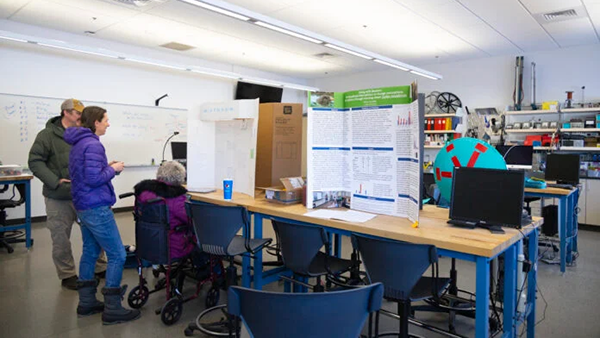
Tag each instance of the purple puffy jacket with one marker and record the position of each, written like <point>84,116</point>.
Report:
<point>89,170</point>
<point>182,242</point>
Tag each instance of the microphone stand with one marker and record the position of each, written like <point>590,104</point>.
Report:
<point>165,146</point>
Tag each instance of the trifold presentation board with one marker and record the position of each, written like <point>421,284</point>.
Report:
<point>365,146</point>
<point>222,145</point>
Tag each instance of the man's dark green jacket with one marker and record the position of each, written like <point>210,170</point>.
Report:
<point>49,160</point>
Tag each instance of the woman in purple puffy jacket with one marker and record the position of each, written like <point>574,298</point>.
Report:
<point>93,197</point>
<point>168,185</point>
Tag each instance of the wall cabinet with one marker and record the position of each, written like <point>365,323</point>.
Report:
<point>592,205</point>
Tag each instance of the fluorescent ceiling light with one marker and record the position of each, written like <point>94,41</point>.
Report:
<point>215,73</point>
<point>391,65</point>
<point>348,51</point>
<point>424,75</point>
<point>263,82</point>
<point>217,9</point>
<point>288,32</point>
<point>300,87</point>
<point>156,64</point>
<point>76,50</point>
<point>12,39</point>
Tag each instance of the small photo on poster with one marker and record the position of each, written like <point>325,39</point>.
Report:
<point>331,199</point>
<point>322,99</point>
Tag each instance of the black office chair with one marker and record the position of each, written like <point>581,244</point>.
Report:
<point>10,237</point>
<point>216,229</point>
<point>528,200</point>
<point>400,267</point>
<point>301,253</point>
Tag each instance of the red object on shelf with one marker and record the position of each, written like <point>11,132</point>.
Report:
<point>530,139</point>
<point>547,140</point>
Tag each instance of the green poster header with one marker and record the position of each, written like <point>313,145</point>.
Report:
<point>377,97</point>
<point>361,98</point>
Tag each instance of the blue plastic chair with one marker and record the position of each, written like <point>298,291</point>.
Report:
<point>216,229</point>
<point>400,267</point>
<point>301,253</point>
<point>339,314</point>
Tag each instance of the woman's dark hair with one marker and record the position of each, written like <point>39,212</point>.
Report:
<point>90,115</point>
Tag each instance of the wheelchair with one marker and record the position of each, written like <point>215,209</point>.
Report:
<point>152,238</point>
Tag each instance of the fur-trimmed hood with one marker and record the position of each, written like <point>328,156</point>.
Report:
<point>161,189</point>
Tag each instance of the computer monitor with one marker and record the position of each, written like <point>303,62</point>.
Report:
<point>491,197</point>
<point>517,157</point>
<point>179,150</point>
<point>563,168</point>
<point>265,94</point>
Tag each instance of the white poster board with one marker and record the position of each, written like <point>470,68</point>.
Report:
<point>222,145</point>
<point>369,153</point>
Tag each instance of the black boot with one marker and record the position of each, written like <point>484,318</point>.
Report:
<point>88,304</point>
<point>114,313</point>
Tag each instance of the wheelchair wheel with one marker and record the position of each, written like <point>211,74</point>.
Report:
<point>171,311</point>
<point>212,297</point>
<point>138,297</point>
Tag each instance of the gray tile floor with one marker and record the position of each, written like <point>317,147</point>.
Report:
<point>32,303</point>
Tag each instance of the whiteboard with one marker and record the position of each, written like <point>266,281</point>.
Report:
<point>136,134</point>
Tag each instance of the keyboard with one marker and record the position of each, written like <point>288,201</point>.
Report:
<point>560,186</point>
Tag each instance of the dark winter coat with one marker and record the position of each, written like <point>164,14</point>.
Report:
<point>180,242</point>
<point>89,169</point>
<point>49,160</point>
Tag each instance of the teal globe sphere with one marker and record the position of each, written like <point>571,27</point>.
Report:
<point>463,152</point>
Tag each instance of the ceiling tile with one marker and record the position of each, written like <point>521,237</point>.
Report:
<point>573,32</point>
<point>512,21</point>
<point>61,17</point>
<point>594,13</point>
<point>9,7</point>
<point>184,13</point>
<point>106,8</point>
<point>265,6</point>
<point>151,31</point>
<point>545,6</point>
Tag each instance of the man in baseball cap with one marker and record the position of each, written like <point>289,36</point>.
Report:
<point>49,161</point>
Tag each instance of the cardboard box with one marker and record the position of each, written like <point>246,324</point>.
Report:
<point>279,143</point>
<point>289,193</point>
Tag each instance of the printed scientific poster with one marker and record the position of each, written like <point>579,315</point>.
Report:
<point>365,148</point>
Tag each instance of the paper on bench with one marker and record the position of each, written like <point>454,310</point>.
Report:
<point>348,216</point>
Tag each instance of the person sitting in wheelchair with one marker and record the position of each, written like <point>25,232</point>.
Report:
<point>168,185</point>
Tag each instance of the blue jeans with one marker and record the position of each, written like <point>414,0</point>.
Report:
<point>99,231</point>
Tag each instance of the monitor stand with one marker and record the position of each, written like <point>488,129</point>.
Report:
<point>495,229</point>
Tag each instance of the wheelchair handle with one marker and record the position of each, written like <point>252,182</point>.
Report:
<point>125,195</point>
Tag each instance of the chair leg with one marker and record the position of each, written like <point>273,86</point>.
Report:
<point>231,273</point>
<point>319,287</point>
<point>404,313</point>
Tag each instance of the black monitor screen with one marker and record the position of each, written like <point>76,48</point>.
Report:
<point>516,155</point>
<point>488,195</point>
<point>563,168</point>
<point>266,94</point>
<point>179,150</point>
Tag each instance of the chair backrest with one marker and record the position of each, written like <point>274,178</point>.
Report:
<point>152,230</point>
<point>299,244</point>
<point>216,225</point>
<point>324,314</point>
<point>11,203</point>
<point>398,265</point>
